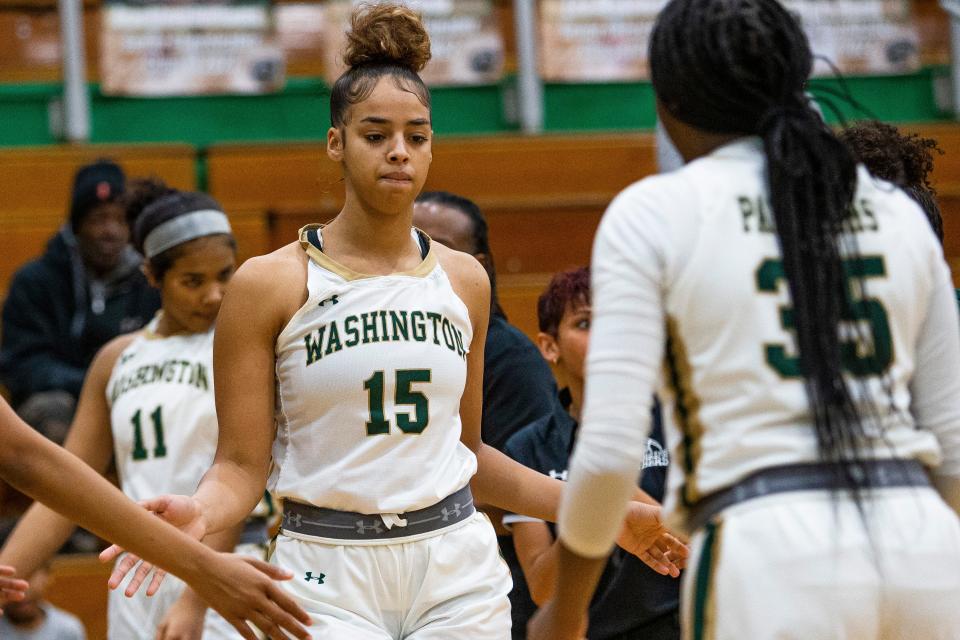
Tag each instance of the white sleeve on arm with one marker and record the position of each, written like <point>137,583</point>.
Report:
<point>623,365</point>
<point>935,388</point>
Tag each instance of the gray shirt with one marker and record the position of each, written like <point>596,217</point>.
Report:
<point>58,625</point>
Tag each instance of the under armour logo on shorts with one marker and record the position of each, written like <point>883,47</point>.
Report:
<point>362,527</point>
<point>455,512</point>
<point>318,578</point>
<point>292,519</point>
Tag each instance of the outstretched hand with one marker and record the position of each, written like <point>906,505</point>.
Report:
<point>243,589</point>
<point>11,589</point>
<point>645,536</point>
<point>182,512</point>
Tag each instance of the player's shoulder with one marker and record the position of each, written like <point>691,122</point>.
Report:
<point>460,264</point>
<point>288,260</point>
<point>660,197</point>
<point>109,354</point>
<point>467,276</point>
<point>893,207</point>
<point>258,276</point>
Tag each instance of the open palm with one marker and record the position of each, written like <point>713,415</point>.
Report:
<point>182,512</point>
<point>645,536</point>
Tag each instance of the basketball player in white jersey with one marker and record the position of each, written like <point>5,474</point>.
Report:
<point>356,356</point>
<point>148,400</point>
<point>809,327</point>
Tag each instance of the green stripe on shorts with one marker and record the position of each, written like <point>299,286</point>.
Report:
<point>701,588</point>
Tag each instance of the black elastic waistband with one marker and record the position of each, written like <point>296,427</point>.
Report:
<point>306,519</point>
<point>878,474</point>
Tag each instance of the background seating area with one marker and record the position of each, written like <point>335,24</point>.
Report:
<point>543,196</point>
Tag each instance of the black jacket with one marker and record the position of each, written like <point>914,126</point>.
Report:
<point>56,317</point>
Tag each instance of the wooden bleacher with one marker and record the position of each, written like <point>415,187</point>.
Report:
<point>36,184</point>
<point>79,585</point>
<point>946,179</point>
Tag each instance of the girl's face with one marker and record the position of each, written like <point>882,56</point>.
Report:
<point>568,349</point>
<point>385,148</point>
<point>193,287</point>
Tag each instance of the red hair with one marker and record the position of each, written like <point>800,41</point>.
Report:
<point>567,290</point>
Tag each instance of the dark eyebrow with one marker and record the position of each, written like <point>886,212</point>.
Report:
<point>417,122</point>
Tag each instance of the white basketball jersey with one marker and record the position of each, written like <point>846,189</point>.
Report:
<point>733,387</point>
<point>162,413</point>
<point>369,376</point>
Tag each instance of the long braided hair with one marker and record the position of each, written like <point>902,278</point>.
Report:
<point>741,67</point>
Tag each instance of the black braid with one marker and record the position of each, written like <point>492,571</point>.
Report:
<point>740,67</point>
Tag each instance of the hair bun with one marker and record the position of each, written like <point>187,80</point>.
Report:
<point>387,33</point>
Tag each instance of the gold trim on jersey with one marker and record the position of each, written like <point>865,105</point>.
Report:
<point>420,271</point>
<point>686,409</point>
<point>149,331</point>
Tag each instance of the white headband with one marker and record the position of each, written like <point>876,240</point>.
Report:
<point>183,229</point>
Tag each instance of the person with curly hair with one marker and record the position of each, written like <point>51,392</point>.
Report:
<point>905,159</point>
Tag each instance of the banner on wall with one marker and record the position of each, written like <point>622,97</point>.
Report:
<point>158,48</point>
<point>595,40</point>
<point>862,37</point>
<point>607,40</point>
<point>465,40</point>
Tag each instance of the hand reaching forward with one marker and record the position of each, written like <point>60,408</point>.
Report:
<point>243,589</point>
<point>11,589</point>
<point>182,512</point>
<point>645,536</point>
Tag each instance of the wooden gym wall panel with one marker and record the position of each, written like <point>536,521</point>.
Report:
<point>536,172</point>
<point>79,585</point>
<point>946,180</point>
<point>36,185</point>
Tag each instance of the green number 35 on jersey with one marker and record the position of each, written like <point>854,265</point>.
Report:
<point>859,359</point>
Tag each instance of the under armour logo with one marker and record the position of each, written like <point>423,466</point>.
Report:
<point>292,519</point>
<point>455,512</point>
<point>332,300</point>
<point>318,578</point>
<point>363,528</point>
<point>558,475</point>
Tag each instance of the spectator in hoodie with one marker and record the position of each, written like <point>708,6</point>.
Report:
<point>86,289</point>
